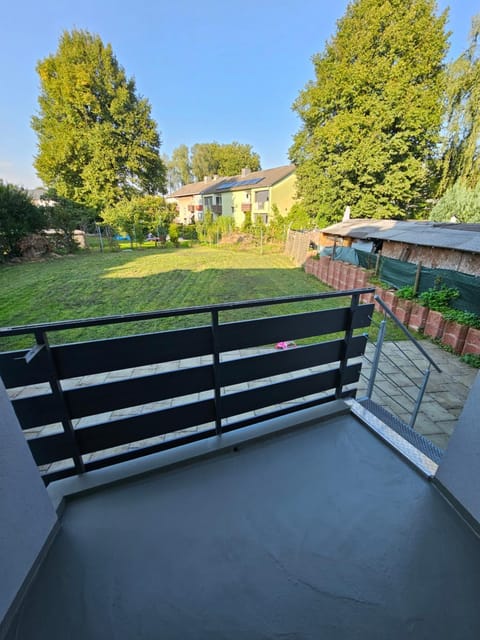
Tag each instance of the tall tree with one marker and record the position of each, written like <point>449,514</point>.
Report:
<point>371,118</point>
<point>210,158</point>
<point>461,157</point>
<point>97,141</point>
<point>179,170</point>
<point>459,203</point>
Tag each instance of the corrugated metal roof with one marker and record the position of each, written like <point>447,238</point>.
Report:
<point>424,233</point>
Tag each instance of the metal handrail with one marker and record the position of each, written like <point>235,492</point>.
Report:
<point>61,325</point>
<point>406,332</point>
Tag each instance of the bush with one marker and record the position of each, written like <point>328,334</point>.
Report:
<point>19,217</point>
<point>462,317</point>
<point>188,232</point>
<point>472,359</point>
<point>173,233</point>
<point>406,293</point>
<point>439,299</point>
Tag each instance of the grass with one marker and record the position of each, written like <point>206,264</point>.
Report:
<point>114,283</point>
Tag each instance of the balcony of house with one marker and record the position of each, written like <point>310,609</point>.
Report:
<point>220,480</point>
<point>261,207</point>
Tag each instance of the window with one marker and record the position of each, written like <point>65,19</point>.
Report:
<point>261,198</point>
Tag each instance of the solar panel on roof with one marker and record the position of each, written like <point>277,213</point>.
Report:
<point>238,183</point>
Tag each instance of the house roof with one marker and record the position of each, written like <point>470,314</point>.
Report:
<point>251,180</point>
<point>194,188</point>
<point>465,237</point>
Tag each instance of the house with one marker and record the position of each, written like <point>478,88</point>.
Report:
<point>436,245</point>
<point>252,192</point>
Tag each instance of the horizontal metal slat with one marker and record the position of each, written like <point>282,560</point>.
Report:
<point>51,448</point>
<point>147,425</point>
<point>37,411</point>
<point>16,372</point>
<point>111,396</point>
<point>270,364</point>
<point>251,333</point>
<point>130,454</point>
<point>268,395</point>
<point>99,356</point>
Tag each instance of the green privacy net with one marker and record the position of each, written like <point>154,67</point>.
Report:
<point>398,274</point>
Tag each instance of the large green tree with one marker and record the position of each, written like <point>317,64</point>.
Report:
<point>179,170</point>
<point>140,215</point>
<point>97,141</point>
<point>461,156</point>
<point>459,203</point>
<point>210,158</point>
<point>371,118</point>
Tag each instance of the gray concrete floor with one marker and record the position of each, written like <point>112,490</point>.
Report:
<point>321,532</point>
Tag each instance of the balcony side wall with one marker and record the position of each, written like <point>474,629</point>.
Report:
<point>26,513</point>
<point>459,471</point>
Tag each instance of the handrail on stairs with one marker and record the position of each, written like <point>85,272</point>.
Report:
<point>378,350</point>
<point>401,326</point>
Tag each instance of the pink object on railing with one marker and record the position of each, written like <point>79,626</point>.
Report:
<point>285,344</point>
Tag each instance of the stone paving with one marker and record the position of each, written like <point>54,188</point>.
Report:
<point>445,394</point>
<point>400,373</point>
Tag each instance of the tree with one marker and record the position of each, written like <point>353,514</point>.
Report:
<point>212,158</point>
<point>179,170</point>
<point>371,118</point>
<point>461,154</point>
<point>97,141</point>
<point>140,215</point>
<point>459,202</point>
<point>18,218</point>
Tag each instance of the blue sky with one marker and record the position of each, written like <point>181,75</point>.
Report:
<point>212,70</point>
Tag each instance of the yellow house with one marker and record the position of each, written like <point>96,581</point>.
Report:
<point>251,191</point>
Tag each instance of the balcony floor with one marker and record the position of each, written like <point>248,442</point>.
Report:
<point>322,532</point>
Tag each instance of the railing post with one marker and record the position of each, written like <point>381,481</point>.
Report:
<point>355,301</point>
<point>376,358</point>
<point>216,372</point>
<point>57,391</point>
<point>421,393</point>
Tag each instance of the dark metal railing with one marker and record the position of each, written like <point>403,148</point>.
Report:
<point>105,401</point>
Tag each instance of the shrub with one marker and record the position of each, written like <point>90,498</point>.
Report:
<point>19,217</point>
<point>462,317</point>
<point>406,293</point>
<point>472,359</point>
<point>439,299</point>
<point>173,233</point>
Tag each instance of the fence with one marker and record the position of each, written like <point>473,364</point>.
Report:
<point>398,273</point>
<point>88,405</point>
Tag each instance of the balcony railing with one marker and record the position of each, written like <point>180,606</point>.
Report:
<point>87,405</point>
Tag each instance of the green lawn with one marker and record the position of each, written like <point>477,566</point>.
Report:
<point>96,284</point>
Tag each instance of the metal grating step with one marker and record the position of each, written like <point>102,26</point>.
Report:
<point>410,435</point>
